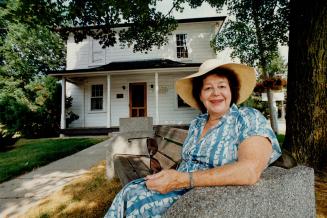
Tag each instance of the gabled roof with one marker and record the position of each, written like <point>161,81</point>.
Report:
<point>129,65</point>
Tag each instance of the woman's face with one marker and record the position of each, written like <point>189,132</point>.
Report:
<point>216,95</point>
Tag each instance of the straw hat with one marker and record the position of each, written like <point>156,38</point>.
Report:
<point>245,74</point>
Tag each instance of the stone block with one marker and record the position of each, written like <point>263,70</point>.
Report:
<point>279,193</point>
<point>132,124</point>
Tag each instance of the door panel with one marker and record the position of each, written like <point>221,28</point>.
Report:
<point>137,100</point>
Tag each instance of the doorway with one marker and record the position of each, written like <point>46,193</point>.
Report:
<point>137,100</point>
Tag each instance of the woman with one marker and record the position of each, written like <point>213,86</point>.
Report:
<point>226,145</point>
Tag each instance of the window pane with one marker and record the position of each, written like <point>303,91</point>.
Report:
<point>96,103</point>
<point>181,46</point>
<point>181,103</point>
<point>97,91</point>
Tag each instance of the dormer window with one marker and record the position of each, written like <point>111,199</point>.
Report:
<point>181,46</point>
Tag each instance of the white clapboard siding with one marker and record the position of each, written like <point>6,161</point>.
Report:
<point>95,118</point>
<point>81,93</point>
<point>168,111</point>
<point>77,56</point>
<point>120,106</point>
<point>199,35</point>
<point>77,92</point>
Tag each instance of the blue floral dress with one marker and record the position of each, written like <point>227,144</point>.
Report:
<point>219,146</point>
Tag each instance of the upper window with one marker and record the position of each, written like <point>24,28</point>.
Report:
<point>181,46</point>
<point>97,97</point>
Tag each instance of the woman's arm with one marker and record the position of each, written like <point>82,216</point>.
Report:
<point>253,156</point>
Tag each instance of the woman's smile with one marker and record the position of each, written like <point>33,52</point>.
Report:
<point>216,95</point>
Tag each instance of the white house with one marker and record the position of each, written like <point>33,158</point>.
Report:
<point>112,83</point>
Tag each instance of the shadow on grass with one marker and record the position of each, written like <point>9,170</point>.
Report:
<point>88,196</point>
<point>91,195</point>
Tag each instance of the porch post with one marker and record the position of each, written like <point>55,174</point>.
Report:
<point>108,101</point>
<point>156,78</point>
<point>63,112</point>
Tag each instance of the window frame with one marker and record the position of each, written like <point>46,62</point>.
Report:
<point>182,46</point>
<point>96,97</point>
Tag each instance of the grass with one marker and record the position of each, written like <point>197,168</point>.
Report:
<point>91,195</point>
<point>28,154</point>
<point>280,138</point>
<point>87,196</point>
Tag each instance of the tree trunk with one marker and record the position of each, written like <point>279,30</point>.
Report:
<point>306,111</point>
<point>272,111</point>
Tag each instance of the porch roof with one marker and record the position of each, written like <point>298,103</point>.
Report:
<point>128,65</point>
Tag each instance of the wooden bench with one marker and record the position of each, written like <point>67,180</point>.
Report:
<point>279,193</point>
<point>169,140</point>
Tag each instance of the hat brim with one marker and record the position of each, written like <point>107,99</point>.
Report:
<point>245,74</point>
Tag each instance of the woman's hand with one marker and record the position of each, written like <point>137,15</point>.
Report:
<point>167,181</point>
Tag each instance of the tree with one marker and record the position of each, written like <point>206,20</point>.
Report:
<point>259,26</point>
<point>27,102</point>
<point>149,26</point>
<point>30,52</point>
<point>306,110</point>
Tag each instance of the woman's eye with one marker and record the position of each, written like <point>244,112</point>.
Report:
<point>207,88</point>
<point>222,87</point>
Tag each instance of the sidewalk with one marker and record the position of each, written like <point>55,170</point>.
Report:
<point>23,192</point>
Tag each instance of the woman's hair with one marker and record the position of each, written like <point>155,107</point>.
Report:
<point>228,74</point>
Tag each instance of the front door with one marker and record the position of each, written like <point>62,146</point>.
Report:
<point>137,100</point>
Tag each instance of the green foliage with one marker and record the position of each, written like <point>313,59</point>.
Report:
<point>32,153</point>
<point>30,52</point>
<point>254,33</point>
<point>70,115</point>
<point>34,110</point>
<point>276,66</point>
<point>150,27</point>
<point>29,101</point>
<point>255,102</point>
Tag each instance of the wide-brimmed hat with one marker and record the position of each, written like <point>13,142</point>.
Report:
<point>246,76</point>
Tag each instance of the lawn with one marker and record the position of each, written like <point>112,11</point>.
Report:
<point>28,154</point>
<point>91,195</point>
<point>87,196</point>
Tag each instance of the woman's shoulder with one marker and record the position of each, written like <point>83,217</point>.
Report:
<point>198,120</point>
<point>249,114</point>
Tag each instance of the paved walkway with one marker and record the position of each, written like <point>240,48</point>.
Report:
<point>23,192</point>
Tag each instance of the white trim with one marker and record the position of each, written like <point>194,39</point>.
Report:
<point>108,101</point>
<point>104,103</point>
<point>63,100</point>
<point>118,72</point>
<point>156,80</point>
<point>187,44</point>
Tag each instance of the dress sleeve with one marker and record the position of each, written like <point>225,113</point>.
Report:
<point>253,123</point>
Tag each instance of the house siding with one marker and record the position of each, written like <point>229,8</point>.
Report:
<point>198,43</point>
<point>81,56</point>
<point>169,113</point>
